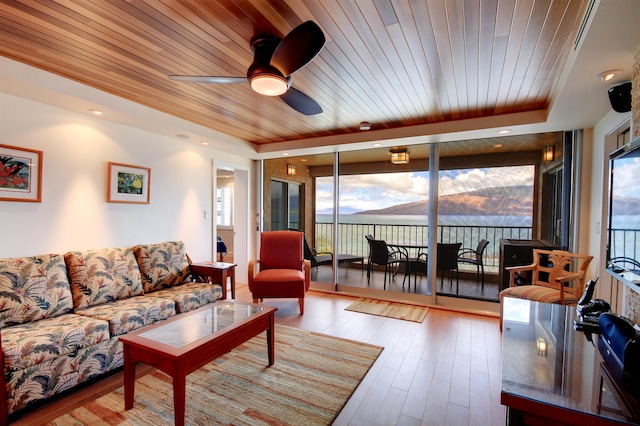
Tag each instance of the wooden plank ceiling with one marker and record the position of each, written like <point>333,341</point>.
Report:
<point>393,63</point>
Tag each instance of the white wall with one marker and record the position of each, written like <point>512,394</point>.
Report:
<point>74,214</point>
<point>604,142</point>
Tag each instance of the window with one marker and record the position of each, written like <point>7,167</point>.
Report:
<point>285,205</point>
<point>224,206</point>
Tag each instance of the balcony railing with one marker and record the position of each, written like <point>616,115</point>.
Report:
<point>625,243</point>
<point>352,237</point>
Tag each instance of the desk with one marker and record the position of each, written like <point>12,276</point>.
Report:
<point>553,374</point>
<point>219,272</point>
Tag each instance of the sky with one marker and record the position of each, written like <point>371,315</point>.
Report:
<point>377,191</point>
<point>626,177</point>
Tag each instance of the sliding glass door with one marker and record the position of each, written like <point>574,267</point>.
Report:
<point>469,194</point>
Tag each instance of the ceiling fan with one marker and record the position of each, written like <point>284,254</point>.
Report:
<point>274,60</point>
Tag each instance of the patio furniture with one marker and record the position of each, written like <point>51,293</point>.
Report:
<point>326,258</point>
<point>416,256</point>
<point>474,257</point>
<point>622,263</point>
<point>281,271</point>
<point>381,254</point>
<point>447,261</point>
<point>552,271</point>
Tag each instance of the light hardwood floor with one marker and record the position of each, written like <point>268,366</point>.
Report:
<point>444,371</point>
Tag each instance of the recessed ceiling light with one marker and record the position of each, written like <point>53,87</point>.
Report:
<point>285,154</point>
<point>183,136</point>
<point>365,125</point>
<point>96,111</point>
<point>504,131</point>
<point>304,160</point>
<point>607,75</point>
<point>377,144</point>
<point>204,142</point>
<point>498,145</point>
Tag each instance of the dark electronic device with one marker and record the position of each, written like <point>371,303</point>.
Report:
<point>588,292</point>
<point>620,97</point>
<point>595,307</point>
<point>589,310</point>
<point>619,345</point>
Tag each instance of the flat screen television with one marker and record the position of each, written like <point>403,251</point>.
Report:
<point>623,239</point>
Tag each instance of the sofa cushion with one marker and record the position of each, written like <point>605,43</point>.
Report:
<point>26,345</point>
<point>189,296</point>
<point>31,385</point>
<point>102,276</point>
<point>162,265</point>
<point>130,314</point>
<point>33,288</point>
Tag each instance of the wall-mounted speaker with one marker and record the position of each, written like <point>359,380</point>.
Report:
<point>620,97</point>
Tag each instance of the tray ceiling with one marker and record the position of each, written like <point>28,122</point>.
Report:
<point>392,63</point>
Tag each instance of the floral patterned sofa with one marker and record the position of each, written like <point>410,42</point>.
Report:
<point>61,315</point>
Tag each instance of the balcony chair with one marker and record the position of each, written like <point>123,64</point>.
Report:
<point>474,257</point>
<point>622,264</point>
<point>326,258</point>
<point>447,261</point>
<point>549,278</point>
<point>281,271</point>
<point>381,254</point>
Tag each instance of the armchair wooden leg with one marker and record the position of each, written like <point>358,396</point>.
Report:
<point>255,300</point>
<point>301,304</point>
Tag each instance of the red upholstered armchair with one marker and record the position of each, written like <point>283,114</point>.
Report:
<point>281,270</point>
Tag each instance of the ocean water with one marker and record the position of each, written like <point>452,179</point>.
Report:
<point>421,220</point>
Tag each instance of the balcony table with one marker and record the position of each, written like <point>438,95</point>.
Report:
<point>413,262</point>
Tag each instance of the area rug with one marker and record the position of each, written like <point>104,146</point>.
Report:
<point>389,309</point>
<point>312,378</point>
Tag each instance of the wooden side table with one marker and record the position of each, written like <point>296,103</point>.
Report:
<point>219,272</point>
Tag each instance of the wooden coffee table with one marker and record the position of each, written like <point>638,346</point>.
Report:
<point>183,344</point>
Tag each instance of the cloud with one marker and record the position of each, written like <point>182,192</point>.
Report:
<point>625,180</point>
<point>458,181</point>
<point>380,190</point>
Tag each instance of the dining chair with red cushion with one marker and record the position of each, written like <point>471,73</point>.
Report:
<point>281,271</point>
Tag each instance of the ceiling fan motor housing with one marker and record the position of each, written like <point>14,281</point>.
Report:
<point>261,70</point>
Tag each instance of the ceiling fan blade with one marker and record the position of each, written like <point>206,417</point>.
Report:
<point>208,79</point>
<point>301,102</point>
<point>298,48</point>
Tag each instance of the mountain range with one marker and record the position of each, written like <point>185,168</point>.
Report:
<point>501,201</point>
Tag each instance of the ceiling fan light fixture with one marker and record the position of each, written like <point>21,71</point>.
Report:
<point>269,84</point>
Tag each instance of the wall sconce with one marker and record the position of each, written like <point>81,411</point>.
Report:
<point>291,169</point>
<point>542,346</point>
<point>548,154</point>
<point>399,155</point>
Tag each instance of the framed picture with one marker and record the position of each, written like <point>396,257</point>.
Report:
<point>128,184</point>
<point>20,174</point>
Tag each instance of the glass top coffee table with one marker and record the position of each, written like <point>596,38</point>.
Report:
<point>186,342</point>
